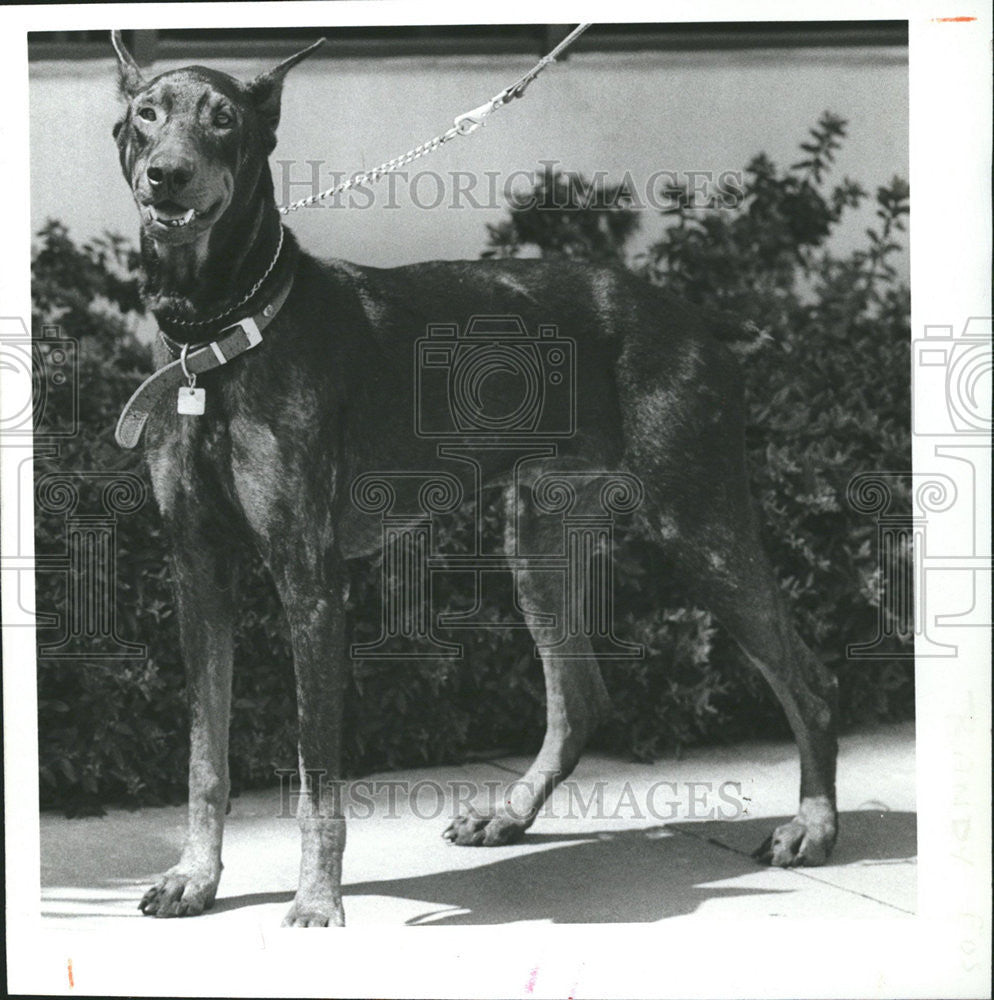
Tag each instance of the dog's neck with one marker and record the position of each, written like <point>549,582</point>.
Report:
<point>187,285</point>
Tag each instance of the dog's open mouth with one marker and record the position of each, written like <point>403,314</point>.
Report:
<point>168,213</point>
<point>172,216</point>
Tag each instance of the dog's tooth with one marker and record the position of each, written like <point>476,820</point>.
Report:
<point>189,216</point>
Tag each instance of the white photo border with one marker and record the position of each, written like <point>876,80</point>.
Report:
<point>944,951</point>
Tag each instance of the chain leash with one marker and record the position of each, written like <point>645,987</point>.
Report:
<point>464,124</point>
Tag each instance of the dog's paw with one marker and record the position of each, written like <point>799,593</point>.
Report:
<point>477,830</point>
<point>806,840</point>
<point>315,913</point>
<point>180,894</point>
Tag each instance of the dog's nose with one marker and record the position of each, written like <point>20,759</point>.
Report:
<point>169,175</point>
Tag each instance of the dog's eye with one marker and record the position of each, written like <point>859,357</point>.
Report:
<point>224,119</point>
<point>147,113</point>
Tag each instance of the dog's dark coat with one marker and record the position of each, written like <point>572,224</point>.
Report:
<point>329,396</point>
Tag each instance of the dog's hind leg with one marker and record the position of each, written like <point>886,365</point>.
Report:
<point>733,578</point>
<point>686,443</point>
<point>735,581</point>
<point>203,579</point>
<point>576,700</point>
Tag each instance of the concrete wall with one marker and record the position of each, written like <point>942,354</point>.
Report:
<point>639,112</point>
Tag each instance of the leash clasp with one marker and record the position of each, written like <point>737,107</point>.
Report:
<point>472,120</point>
<point>469,122</point>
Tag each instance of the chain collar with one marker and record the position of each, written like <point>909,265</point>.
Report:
<point>176,346</point>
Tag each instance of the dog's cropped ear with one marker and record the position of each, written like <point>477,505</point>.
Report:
<point>266,91</point>
<point>129,76</point>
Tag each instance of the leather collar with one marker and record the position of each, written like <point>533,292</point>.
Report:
<point>233,340</point>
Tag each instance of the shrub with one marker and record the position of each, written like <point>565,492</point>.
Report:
<point>827,381</point>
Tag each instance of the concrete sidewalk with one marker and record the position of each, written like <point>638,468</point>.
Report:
<point>643,852</point>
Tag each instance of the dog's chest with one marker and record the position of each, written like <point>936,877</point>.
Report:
<point>186,456</point>
<point>259,473</point>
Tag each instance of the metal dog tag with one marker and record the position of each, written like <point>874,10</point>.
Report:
<point>190,401</point>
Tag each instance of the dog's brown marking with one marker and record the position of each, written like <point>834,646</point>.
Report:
<point>328,397</point>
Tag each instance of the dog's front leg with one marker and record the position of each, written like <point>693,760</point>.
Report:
<point>204,586</point>
<point>315,613</point>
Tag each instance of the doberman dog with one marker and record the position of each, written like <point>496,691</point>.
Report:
<point>264,438</point>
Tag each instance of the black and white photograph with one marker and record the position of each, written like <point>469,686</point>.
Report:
<point>522,473</point>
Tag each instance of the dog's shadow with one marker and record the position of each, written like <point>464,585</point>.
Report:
<point>633,876</point>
